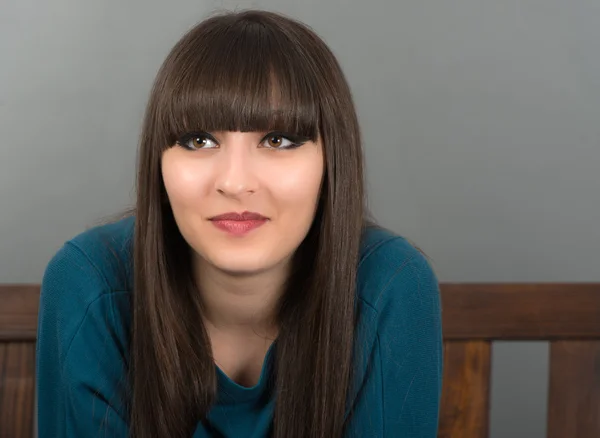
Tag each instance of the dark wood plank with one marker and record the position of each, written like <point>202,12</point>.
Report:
<point>17,371</point>
<point>574,394</point>
<point>471,311</point>
<point>464,410</point>
<point>521,311</point>
<point>18,312</point>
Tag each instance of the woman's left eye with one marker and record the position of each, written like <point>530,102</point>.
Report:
<point>279,141</point>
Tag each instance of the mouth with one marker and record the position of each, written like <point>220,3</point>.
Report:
<point>238,224</point>
<point>245,216</point>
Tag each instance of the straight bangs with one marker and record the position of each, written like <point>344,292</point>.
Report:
<point>239,78</point>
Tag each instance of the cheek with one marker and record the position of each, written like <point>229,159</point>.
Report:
<point>183,180</point>
<point>297,187</point>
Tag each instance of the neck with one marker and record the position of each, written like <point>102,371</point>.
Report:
<point>240,303</point>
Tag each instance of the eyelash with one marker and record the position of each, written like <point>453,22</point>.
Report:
<point>296,141</point>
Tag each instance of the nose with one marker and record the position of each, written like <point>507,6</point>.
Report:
<point>235,174</point>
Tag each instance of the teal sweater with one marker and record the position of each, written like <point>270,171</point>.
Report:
<point>85,316</point>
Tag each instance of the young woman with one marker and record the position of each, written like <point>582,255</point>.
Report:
<point>247,295</point>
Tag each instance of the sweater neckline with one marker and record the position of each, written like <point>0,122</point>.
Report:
<point>231,392</point>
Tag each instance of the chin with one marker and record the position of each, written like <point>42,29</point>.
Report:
<point>242,264</point>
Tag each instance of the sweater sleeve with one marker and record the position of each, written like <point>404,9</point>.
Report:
<point>400,393</point>
<point>80,356</point>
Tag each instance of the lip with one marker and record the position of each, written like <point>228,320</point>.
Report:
<point>244,216</point>
<point>238,224</point>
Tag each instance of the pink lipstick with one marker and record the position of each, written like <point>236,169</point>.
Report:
<point>238,224</point>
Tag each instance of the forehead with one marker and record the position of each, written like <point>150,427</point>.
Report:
<point>261,86</point>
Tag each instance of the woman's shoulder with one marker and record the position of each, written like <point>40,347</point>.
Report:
<point>101,254</point>
<point>391,268</point>
<point>85,292</point>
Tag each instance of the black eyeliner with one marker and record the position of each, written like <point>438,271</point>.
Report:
<point>296,140</point>
<point>185,138</point>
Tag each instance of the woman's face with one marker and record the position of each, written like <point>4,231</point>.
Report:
<point>244,201</point>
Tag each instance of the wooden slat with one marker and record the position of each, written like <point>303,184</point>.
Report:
<point>574,394</point>
<point>521,311</point>
<point>17,370</point>
<point>471,311</point>
<point>18,312</point>
<point>464,410</point>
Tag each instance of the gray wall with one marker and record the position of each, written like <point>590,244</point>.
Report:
<point>480,118</point>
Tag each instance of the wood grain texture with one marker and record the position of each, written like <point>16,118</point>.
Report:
<point>542,311</point>
<point>521,311</point>
<point>473,316</point>
<point>18,312</point>
<point>464,409</point>
<point>574,393</point>
<point>17,380</point>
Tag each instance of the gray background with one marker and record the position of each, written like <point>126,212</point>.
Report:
<point>481,122</point>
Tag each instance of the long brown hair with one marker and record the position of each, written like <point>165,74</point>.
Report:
<point>247,71</point>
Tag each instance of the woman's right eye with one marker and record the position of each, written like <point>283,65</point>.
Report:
<point>194,141</point>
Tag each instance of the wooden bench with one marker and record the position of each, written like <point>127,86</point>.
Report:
<point>18,324</point>
<point>566,315</point>
<point>474,315</point>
